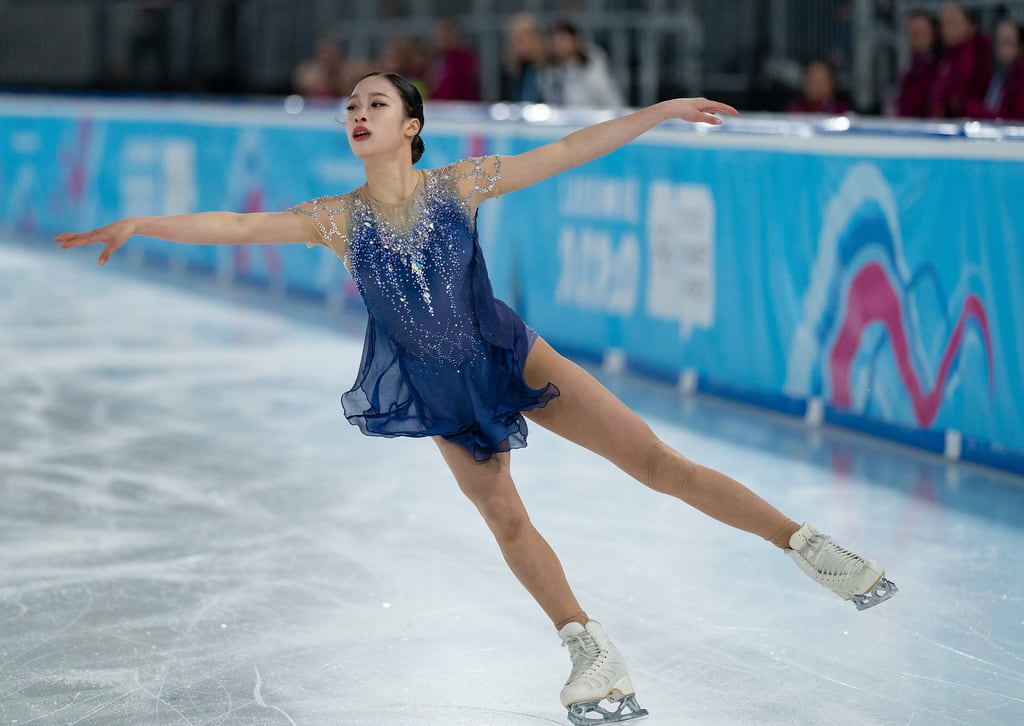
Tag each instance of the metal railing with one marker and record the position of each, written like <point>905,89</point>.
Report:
<point>750,52</point>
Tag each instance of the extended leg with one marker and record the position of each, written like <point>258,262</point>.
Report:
<point>589,414</point>
<point>599,672</point>
<point>490,487</point>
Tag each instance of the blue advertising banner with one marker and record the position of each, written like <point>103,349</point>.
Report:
<point>877,281</point>
<point>885,288</point>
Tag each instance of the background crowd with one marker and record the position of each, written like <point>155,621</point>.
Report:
<point>958,70</point>
<point>556,66</point>
<point>928,59</point>
<point>955,69</point>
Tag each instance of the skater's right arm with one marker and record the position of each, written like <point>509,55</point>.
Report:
<point>203,228</point>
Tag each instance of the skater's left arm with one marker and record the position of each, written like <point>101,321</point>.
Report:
<point>595,141</point>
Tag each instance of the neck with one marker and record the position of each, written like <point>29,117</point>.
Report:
<point>390,181</point>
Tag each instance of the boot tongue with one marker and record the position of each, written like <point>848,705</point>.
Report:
<point>571,630</point>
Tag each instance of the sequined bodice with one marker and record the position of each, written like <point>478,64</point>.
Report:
<point>412,262</point>
<point>442,356</point>
<point>412,267</point>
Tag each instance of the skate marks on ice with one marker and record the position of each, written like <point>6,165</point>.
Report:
<point>190,533</point>
<point>186,538</point>
<point>717,631</point>
<point>445,715</point>
<point>146,549</point>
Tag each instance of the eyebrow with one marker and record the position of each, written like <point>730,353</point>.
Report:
<point>372,93</point>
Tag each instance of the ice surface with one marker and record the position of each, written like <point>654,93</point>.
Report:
<point>190,533</point>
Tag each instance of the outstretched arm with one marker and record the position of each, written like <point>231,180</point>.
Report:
<point>204,228</point>
<point>591,142</point>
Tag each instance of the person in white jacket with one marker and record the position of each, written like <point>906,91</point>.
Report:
<point>580,74</point>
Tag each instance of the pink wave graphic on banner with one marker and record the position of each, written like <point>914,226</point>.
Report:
<point>73,162</point>
<point>871,298</point>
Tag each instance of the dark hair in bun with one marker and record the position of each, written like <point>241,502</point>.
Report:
<point>412,101</point>
<point>417,148</point>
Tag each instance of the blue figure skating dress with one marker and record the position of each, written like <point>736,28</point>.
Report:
<point>442,356</point>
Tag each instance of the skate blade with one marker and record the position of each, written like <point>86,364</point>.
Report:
<point>879,593</point>
<point>588,713</point>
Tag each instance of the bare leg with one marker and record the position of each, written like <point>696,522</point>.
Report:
<point>489,486</point>
<point>589,414</point>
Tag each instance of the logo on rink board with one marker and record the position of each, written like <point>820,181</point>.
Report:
<point>598,250</point>
<point>681,255</point>
<point>876,335</point>
<point>600,263</point>
<point>157,176</point>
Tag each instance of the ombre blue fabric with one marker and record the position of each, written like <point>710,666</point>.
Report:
<point>442,356</point>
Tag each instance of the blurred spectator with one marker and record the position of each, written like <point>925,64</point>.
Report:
<point>818,93</point>
<point>328,74</point>
<point>454,75</point>
<point>965,68</point>
<point>917,79</point>
<point>409,58</point>
<point>579,75</point>
<point>525,60</point>
<point>1005,96</point>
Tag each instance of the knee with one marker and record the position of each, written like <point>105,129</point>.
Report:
<point>505,515</point>
<point>666,470</point>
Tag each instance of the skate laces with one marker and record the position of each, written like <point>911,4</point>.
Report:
<point>830,559</point>
<point>586,654</point>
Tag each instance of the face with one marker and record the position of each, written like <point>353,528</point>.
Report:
<point>376,122</point>
<point>445,35</point>
<point>1007,43</point>
<point>524,41</point>
<point>956,26</point>
<point>563,45</point>
<point>920,34</point>
<point>818,85</point>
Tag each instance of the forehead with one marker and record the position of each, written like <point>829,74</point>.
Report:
<point>374,85</point>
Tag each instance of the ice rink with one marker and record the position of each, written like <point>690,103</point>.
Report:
<point>191,533</point>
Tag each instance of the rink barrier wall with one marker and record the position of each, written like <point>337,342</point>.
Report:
<point>862,273</point>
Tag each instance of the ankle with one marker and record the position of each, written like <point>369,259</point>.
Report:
<point>577,617</point>
<point>780,538</point>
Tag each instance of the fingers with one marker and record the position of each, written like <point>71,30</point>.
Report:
<point>68,240</point>
<point>718,107</point>
<point>706,111</point>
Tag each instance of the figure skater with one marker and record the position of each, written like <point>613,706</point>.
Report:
<point>443,358</point>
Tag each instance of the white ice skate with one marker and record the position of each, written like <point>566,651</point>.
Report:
<point>848,575</point>
<point>598,674</point>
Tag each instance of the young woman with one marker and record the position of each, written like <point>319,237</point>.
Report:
<point>444,358</point>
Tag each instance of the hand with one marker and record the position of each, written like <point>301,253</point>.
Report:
<point>701,110</point>
<point>112,236</point>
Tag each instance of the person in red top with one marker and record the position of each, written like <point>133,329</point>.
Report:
<point>918,77</point>
<point>455,75</point>
<point>819,91</point>
<point>1005,96</point>
<point>965,68</point>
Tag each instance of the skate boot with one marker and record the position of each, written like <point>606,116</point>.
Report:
<point>598,674</point>
<point>848,575</point>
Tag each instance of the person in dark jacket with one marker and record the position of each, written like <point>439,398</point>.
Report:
<point>1005,96</point>
<point>918,77</point>
<point>818,91</point>
<point>965,68</point>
